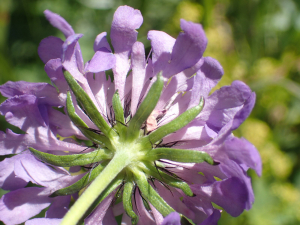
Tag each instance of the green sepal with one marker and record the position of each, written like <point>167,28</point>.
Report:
<point>169,180</point>
<point>119,115</point>
<point>146,108</point>
<point>150,194</point>
<point>74,159</point>
<point>181,155</point>
<point>176,124</point>
<point>118,109</point>
<point>83,182</point>
<point>81,125</point>
<point>88,105</point>
<point>185,221</point>
<point>127,202</point>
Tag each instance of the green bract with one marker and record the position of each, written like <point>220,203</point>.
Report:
<point>124,155</point>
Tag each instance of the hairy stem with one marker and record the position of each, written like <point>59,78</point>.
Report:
<point>116,165</point>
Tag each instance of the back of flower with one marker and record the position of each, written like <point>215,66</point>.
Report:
<point>148,142</point>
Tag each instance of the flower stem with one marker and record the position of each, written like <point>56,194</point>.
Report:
<point>115,166</point>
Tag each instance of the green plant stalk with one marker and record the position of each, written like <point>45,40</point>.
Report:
<point>116,165</point>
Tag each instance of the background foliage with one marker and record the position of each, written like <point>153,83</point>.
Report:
<point>256,41</point>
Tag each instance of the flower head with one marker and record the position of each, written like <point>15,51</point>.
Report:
<point>150,134</point>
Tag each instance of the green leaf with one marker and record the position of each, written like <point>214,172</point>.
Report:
<point>146,108</point>
<point>88,105</point>
<point>176,124</point>
<point>74,159</point>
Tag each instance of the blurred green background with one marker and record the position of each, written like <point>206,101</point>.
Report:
<point>256,41</point>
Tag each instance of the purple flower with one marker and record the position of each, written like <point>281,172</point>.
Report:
<point>159,140</point>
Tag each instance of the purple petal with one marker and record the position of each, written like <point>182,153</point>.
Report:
<point>120,72</point>
<point>188,48</point>
<point>18,206</point>
<point>244,153</point>
<point>156,214</point>
<point>59,207</point>
<point>8,179</point>
<point>30,169</point>
<point>99,86</point>
<point>69,57</point>
<point>237,120</point>
<point>242,114</point>
<point>123,36</point>
<point>50,48</point>
<point>148,80</point>
<point>62,123</point>
<point>54,70</point>
<point>223,105</point>
<point>79,59</point>
<point>195,130</point>
<point>172,219</point>
<point>173,199</point>
<point>101,42</point>
<point>96,217</point>
<point>162,45</point>
<point>231,194</point>
<point>145,218</point>
<point>79,110</point>
<point>196,90</point>
<point>109,218</point>
<point>123,29</point>
<point>45,93</point>
<point>11,143</point>
<point>44,221</point>
<point>138,74</point>
<point>213,218</point>
<point>189,173</point>
<point>126,220</point>
<point>179,106</point>
<point>202,207</point>
<point>206,78</point>
<point>232,169</point>
<point>178,83</point>
<point>60,23</point>
<point>213,72</point>
<point>101,61</point>
<point>23,112</point>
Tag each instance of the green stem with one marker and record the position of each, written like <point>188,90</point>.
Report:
<point>115,166</point>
